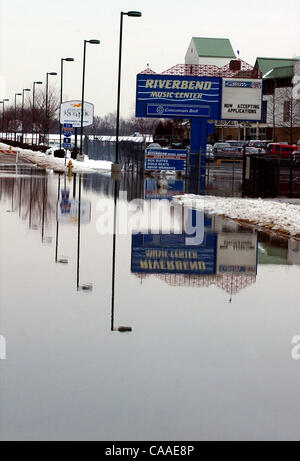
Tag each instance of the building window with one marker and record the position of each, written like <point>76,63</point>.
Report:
<point>264,111</point>
<point>286,111</point>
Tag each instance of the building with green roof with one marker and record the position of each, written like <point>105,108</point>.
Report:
<point>281,98</point>
<point>209,51</point>
<point>267,65</point>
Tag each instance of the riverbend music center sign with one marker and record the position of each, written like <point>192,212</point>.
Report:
<point>189,97</point>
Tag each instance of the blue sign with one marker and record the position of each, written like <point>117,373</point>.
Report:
<point>165,159</point>
<point>157,254</point>
<point>66,145</point>
<point>68,134</point>
<point>68,125</point>
<point>65,204</point>
<point>243,84</point>
<point>173,96</point>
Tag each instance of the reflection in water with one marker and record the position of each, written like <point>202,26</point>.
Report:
<point>120,328</point>
<point>202,364</point>
<point>87,217</point>
<point>41,206</point>
<point>225,259</point>
<point>31,198</point>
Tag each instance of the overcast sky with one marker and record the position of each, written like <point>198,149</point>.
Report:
<point>36,34</point>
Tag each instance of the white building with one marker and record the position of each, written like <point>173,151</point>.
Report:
<point>281,98</point>
<point>209,51</point>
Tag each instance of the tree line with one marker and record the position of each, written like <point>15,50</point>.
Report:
<point>32,118</point>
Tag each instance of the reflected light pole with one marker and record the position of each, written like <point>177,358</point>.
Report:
<point>85,286</point>
<point>135,14</point>
<point>121,329</point>
<point>92,42</point>
<point>61,91</point>
<point>33,100</point>
<point>24,89</point>
<point>46,109</point>
<point>61,260</point>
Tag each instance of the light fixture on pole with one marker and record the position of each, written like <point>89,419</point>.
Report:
<point>61,91</point>
<point>3,111</point>
<point>24,89</point>
<point>47,118</point>
<point>136,14</point>
<point>16,94</point>
<point>33,101</point>
<point>92,42</point>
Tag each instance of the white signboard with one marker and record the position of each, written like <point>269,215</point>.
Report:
<point>70,112</point>
<point>241,99</point>
<point>236,253</point>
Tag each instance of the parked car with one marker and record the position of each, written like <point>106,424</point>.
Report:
<point>210,156</point>
<point>237,144</point>
<point>224,150</point>
<point>219,146</point>
<point>176,145</point>
<point>258,143</point>
<point>154,145</point>
<point>254,150</point>
<point>282,149</point>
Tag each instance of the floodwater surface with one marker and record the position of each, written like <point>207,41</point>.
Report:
<point>141,336</point>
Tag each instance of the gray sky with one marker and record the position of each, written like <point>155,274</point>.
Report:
<point>35,34</point>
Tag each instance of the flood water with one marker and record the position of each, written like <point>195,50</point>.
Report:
<point>205,347</point>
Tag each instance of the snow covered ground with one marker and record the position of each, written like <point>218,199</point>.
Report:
<point>278,216</point>
<point>48,161</point>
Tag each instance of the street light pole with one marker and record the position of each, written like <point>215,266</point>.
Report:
<point>2,102</point>
<point>46,124</point>
<point>61,91</point>
<point>136,14</point>
<point>93,42</point>
<point>24,89</point>
<point>33,100</point>
<point>16,94</point>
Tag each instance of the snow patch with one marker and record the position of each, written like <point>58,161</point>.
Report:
<point>49,162</point>
<point>272,215</point>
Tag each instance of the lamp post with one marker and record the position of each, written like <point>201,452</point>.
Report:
<point>136,14</point>
<point>46,124</point>
<point>16,94</point>
<point>92,42</point>
<point>3,110</point>
<point>33,100</point>
<point>61,91</point>
<point>24,89</point>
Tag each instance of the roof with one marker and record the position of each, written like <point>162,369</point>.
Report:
<point>213,47</point>
<point>281,72</point>
<point>245,71</point>
<point>267,64</point>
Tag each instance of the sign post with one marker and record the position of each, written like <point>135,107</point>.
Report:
<point>165,160</point>
<point>70,112</point>
<point>67,132</point>
<point>199,99</point>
